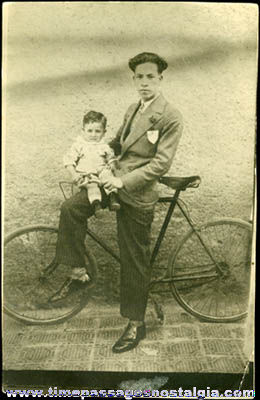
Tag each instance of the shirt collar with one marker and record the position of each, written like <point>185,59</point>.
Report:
<point>146,104</point>
<point>81,139</point>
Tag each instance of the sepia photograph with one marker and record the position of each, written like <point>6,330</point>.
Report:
<point>129,192</point>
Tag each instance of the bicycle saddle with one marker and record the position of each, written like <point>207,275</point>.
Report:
<point>180,183</point>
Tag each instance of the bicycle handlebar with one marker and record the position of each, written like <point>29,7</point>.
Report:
<point>176,183</point>
<point>72,184</point>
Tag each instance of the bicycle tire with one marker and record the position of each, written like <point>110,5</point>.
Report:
<point>196,282</point>
<point>27,251</point>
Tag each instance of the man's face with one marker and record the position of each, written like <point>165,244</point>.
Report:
<point>93,131</point>
<point>147,80</point>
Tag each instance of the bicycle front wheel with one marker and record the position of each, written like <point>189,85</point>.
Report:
<point>30,278</point>
<point>210,270</point>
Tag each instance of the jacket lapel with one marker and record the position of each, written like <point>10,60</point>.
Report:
<point>150,116</point>
<point>129,120</point>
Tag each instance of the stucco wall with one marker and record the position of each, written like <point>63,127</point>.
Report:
<point>63,59</point>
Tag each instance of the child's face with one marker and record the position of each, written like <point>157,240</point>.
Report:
<point>93,131</point>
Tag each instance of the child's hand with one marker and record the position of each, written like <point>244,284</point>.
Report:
<point>77,178</point>
<point>93,178</point>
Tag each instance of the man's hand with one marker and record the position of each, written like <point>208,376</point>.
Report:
<point>114,164</point>
<point>111,183</point>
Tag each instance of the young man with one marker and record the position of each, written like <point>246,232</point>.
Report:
<point>145,144</point>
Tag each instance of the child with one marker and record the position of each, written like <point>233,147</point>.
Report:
<point>90,158</point>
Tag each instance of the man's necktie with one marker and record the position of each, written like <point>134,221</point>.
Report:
<point>135,120</point>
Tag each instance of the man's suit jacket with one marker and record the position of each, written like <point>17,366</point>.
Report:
<point>142,158</point>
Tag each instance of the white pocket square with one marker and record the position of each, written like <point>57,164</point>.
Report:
<point>152,136</point>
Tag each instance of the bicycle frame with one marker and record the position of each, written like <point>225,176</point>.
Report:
<point>173,201</point>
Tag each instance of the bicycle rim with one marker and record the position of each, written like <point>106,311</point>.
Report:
<point>26,288</point>
<point>214,290</point>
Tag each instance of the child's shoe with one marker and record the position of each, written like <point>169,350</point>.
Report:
<point>113,202</point>
<point>98,210</point>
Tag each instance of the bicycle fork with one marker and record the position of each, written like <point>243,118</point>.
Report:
<point>196,231</point>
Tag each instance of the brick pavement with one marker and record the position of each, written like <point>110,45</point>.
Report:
<point>182,344</point>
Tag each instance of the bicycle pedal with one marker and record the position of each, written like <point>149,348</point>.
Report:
<point>161,320</point>
<point>159,314</point>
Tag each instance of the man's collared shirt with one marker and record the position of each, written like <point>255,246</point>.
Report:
<point>146,104</point>
<point>143,107</point>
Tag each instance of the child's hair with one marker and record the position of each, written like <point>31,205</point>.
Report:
<point>94,116</point>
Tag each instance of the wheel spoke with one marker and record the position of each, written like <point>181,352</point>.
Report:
<point>217,240</point>
<point>219,297</point>
<point>27,253</point>
<point>211,302</point>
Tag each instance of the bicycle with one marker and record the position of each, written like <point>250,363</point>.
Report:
<point>208,272</point>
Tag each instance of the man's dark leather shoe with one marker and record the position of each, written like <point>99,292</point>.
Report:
<point>69,286</point>
<point>130,338</point>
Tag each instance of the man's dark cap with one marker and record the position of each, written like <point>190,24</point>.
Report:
<point>145,58</point>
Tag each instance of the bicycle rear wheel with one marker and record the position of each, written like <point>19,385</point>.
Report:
<point>30,278</point>
<point>211,272</point>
